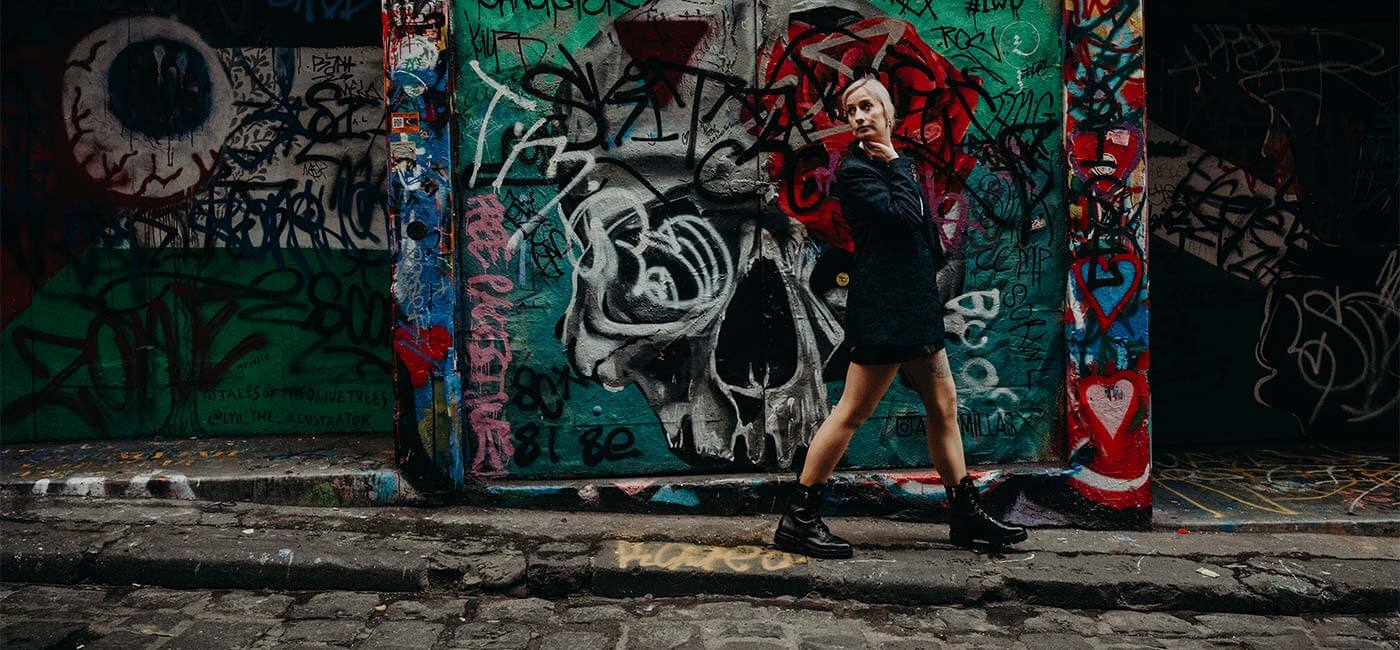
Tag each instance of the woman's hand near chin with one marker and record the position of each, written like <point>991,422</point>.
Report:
<point>880,151</point>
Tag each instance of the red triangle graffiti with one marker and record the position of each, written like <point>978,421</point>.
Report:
<point>667,41</point>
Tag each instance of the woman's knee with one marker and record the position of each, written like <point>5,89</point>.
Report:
<point>851,416</point>
<point>942,405</point>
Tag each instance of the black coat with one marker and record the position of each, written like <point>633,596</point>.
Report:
<point>893,295</point>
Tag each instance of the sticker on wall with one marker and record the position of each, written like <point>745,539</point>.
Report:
<point>403,123</point>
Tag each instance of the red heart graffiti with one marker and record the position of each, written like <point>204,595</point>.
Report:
<point>1118,295</point>
<point>421,350</point>
<point>1112,404</point>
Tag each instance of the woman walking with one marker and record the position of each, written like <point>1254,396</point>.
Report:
<point>894,321</point>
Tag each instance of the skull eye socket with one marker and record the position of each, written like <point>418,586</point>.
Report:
<point>679,265</point>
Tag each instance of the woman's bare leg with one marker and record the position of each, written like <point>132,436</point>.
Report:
<point>968,521</point>
<point>865,385</point>
<point>933,379</point>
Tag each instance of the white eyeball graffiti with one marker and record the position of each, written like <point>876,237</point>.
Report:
<point>144,102</point>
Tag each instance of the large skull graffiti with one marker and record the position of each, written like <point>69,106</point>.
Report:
<point>690,284</point>
<point>709,312</point>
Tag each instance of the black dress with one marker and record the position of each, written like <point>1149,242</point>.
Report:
<point>893,310</point>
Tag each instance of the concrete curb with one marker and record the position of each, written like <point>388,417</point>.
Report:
<point>278,559</point>
<point>353,488</point>
<point>189,547</point>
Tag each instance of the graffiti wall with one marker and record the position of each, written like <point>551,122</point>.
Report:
<point>1275,158</point>
<point>653,259</point>
<point>194,237</point>
<point>1109,414</point>
<point>427,378</point>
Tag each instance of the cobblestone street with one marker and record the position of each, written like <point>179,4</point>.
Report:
<point>42,616</point>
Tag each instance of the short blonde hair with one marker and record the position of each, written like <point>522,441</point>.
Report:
<point>882,95</point>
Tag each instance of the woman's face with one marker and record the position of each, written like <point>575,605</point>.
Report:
<point>865,115</point>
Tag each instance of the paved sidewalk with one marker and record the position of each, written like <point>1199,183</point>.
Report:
<point>1299,488</point>
<point>551,554</point>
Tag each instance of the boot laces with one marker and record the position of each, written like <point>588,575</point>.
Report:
<point>974,505</point>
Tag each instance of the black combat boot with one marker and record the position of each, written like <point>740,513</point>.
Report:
<point>970,522</point>
<point>802,530</point>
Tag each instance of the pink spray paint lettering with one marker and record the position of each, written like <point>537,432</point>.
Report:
<point>488,351</point>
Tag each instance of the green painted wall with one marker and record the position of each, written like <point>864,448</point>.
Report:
<point>194,238</point>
